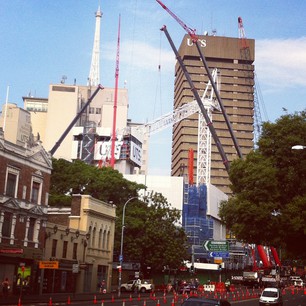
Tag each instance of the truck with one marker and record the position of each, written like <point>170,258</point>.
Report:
<point>251,279</point>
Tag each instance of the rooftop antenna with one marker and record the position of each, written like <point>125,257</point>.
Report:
<point>94,74</point>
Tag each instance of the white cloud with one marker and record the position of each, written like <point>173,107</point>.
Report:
<point>136,54</point>
<point>281,63</point>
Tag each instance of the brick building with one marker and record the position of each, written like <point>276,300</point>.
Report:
<point>24,185</point>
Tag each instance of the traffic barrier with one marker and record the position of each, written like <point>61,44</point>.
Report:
<point>68,300</point>
<point>50,302</point>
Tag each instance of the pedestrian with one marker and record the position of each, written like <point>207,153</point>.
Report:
<point>5,287</point>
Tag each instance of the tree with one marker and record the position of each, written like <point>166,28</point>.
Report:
<point>269,188</point>
<point>105,184</point>
<point>151,236</point>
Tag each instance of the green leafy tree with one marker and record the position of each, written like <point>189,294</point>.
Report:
<point>269,189</point>
<point>105,184</point>
<point>151,236</point>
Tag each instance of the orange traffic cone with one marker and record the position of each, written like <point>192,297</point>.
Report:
<point>157,304</point>
<point>113,299</point>
<point>138,297</point>
<point>95,300</point>
<point>172,303</point>
<point>68,301</point>
<point>50,302</point>
<point>144,303</point>
<point>131,298</point>
<point>19,302</point>
<point>102,303</point>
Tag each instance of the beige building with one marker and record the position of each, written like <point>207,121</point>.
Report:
<point>235,65</point>
<point>81,240</point>
<point>16,124</point>
<point>90,137</point>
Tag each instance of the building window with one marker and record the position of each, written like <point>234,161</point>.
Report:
<point>75,251</point>
<point>31,229</point>
<point>12,178</point>
<point>7,225</point>
<point>65,248</point>
<point>54,246</point>
<point>91,110</point>
<point>98,110</point>
<point>36,190</point>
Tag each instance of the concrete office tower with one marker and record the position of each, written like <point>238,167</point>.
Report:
<point>94,74</point>
<point>235,65</point>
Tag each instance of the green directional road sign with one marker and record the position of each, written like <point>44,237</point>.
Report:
<point>216,245</point>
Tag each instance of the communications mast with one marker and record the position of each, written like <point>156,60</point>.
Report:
<point>94,74</point>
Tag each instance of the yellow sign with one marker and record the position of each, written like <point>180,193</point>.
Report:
<point>217,260</point>
<point>48,265</point>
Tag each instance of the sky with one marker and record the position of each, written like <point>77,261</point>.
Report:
<point>42,41</point>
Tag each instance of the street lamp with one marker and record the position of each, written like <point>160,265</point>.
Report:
<point>121,244</point>
<point>298,147</point>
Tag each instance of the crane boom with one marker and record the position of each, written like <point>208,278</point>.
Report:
<point>198,99</point>
<point>73,122</point>
<point>112,161</point>
<point>191,32</point>
<point>195,39</point>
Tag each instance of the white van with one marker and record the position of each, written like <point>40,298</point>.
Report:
<point>271,296</point>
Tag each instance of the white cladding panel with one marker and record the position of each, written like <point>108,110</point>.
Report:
<point>214,197</point>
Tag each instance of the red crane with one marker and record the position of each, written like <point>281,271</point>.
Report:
<point>191,32</point>
<point>112,161</point>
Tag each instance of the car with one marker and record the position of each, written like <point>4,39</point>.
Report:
<point>143,286</point>
<point>128,286</point>
<point>187,288</point>
<point>271,296</point>
<point>199,301</point>
<point>296,281</point>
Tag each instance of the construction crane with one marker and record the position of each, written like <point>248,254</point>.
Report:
<point>112,160</point>
<point>245,55</point>
<point>195,39</point>
<point>210,103</point>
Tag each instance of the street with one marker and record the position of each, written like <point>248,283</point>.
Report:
<point>290,298</point>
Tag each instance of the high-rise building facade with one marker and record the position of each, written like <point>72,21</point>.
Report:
<point>234,62</point>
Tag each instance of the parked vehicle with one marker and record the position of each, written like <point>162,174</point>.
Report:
<point>296,281</point>
<point>138,285</point>
<point>195,301</point>
<point>271,297</point>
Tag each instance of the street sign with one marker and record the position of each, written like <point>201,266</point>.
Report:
<point>216,245</point>
<point>48,265</point>
<point>219,254</point>
<point>75,268</point>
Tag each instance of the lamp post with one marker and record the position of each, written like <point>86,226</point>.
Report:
<point>121,244</point>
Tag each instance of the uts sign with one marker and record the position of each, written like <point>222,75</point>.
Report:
<point>202,42</point>
<point>136,153</point>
